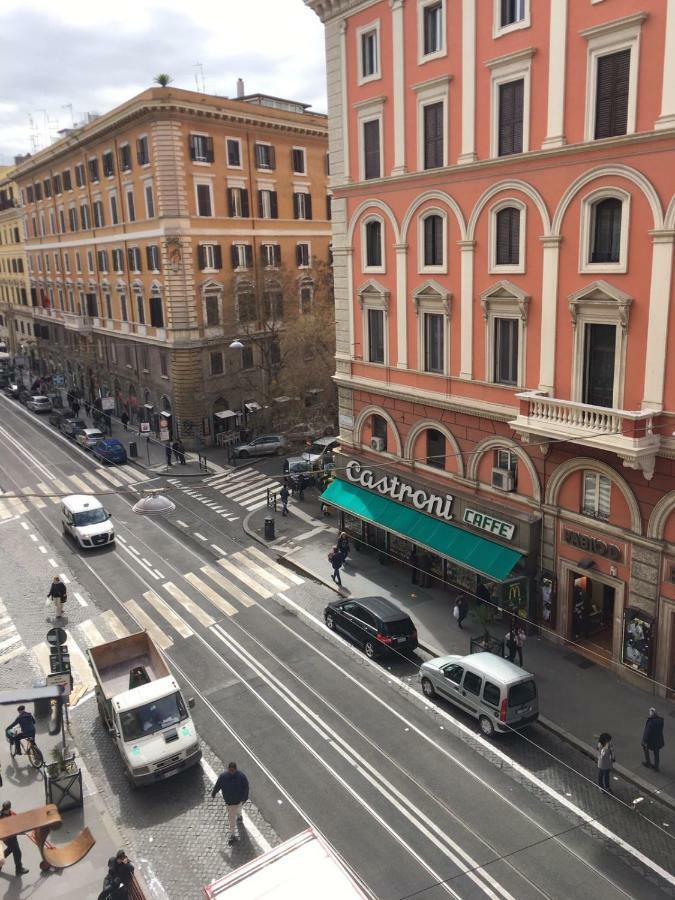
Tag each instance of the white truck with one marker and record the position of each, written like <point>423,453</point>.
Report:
<point>140,702</point>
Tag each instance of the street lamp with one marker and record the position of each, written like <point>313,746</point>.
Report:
<point>236,345</point>
<point>154,503</point>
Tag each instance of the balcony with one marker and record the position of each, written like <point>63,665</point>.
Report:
<point>627,433</point>
<point>73,322</point>
<point>47,314</point>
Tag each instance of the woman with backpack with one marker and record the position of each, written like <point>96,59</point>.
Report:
<point>605,761</point>
<point>336,559</point>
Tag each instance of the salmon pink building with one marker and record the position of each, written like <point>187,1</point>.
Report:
<point>503,228</point>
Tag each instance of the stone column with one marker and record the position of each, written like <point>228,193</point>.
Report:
<point>466,309</point>
<point>402,306</point>
<point>468,154</point>
<point>555,130</point>
<point>549,312</point>
<point>667,117</point>
<point>398,74</point>
<point>657,328</point>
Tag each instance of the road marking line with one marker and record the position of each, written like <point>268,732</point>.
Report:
<point>158,573</point>
<point>243,484</point>
<point>163,608</point>
<point>82,485</point>
<point>134,550</point>
<point>6,514</point>
<point>120,538</point>
<point>249,493</point>
<point>254,506</point>
<point>210,594</point>
<point>16,504</point>
<point>52,563</point>
<point>200,536</point>
<point>229,586</point>
<point>42,549</point>
<point>146,622</point>
<point>6,629</point>
<point>12,654</point>
<point>8,642</point>
<point>218,509</point>
<point>91,633</point>
<point>35,501</point>
<point>61,487</point>
<point>146,561</point>
<point>181,523</point>
<point>276,583</point>
<point>189,605</point>
<point>219,550</point>
<point>33,537</point>
<point>98,484</point>
<point>25,526</point>
<point>104,473</point>
<point>130,479</point>
<point>286,573</point>
<point>64,578</point>
<point>114,624</point>
<point>80,599</point>
<point>48,491</point>
<point>250,826</point>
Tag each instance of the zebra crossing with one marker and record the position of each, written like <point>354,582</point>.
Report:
<point>245,487</point>
<point>41,494</point>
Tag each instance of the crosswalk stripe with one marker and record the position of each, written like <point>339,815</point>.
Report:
<point>12,654</point>
<point>114,624</point>
<point>253,494</point>
<point>167,613</point>
<point>36,501</point>
<point>253,506</point>
<point>235,474</point>
<point>144,620</point>
<point>98,484</point>
<point>245,578</point>
<point>91,632</point>
<point>82,485</point>
<point>47,490</point>
<point>61,487</point>
<point>286,573</point>
<point>228,586</point>
<point>4,513</point>
<point>240,484</point>
<point>6,629</point>
<point>17,505</point>
<point>104,473</point>
<point>10,641</point>
<point>187,604</point>
<point>260,572</point>
<point>210,594</point>
<point>126,476</point>
<point>252,488</point>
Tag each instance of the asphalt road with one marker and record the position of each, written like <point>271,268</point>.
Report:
<point>415,801</point>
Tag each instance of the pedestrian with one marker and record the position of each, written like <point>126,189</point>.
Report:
<point>652,739</point>
<point>124,419</point>
<point>343,546</point>
<point>336,560</point>
<point>118,882</point>
<point>284,495</point>
<point>483,592</point>
<point>301,486</point>
<point>521,637</point>
<point>58,592</point>
<point>169,452</point>
<point>461,608</point>
<point>179,451</point>
<point>233,785</point>
<point>414,566</point>
<point>12,843</point>
<point>425,570</point>
<point>511,642</point>
<point>605,761</point>
<point>75,406</point>
<point>87,408</point>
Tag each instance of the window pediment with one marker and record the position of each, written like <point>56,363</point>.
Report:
<point>211,286</point>
<point>505,295</point>
<point>430,293</point>
<point>601,300</point>
<point>372,292</point>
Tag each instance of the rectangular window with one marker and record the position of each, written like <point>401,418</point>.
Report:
<point>302,255</point>
<point>302,205</point>
<point>114,215</point>
<point>237,203</point>
<point>374,244</point>
<point>102,259</point>
<point>369,54</point>
<point>611,95</point>
<point>376,335</point>
<point>99,221</point>
<point>78,262</point>
<point>123,308</point>
<point>246,308</point>
<point>506,351</point>
<point>156,312</point>
<point>125,158</point>
<point>93,169</point>
<point>371,149</point>
<point>67,182</point>
<point>209,256</point>
<point>234,153</point>
<point>306,296</point>
<point>433,135</point>
<point>508,237</point>
<point>48,187</point>
<point>212,304</point>
<point>66,263</point>
<point>242,256</point>
<point>79,175</point>
<point>134,258</point>
<point>511,117</point>
<point>90,261</point>
<point>597,495</point>
<point>108,164</point>
<point>273,305</point>
<point>298,160</point>
<point>149,202</point>
<point>57,184</point>
<point>152,257</point>
<point>271,255</point>
<point>267,205</point>
<point>204,205</point>
<point>247,357</point>
<point>84,216</point>
<point>511,11</point>
<point>217,363</point>
<point>329,206</point>
<point>118,260</point>
<point>62,221</point>
<point>72,218</point>
<point>599,359</point>
<point>29,193</point>
<point>38,191</point>
<point>201,148</point>
<point>163,365</point>
<point>142,151</point>
<point>140,309</point>
<point>433,343</point>
<point>433,240</point>
<point>264,156</point>
<point>131,206</point>
<point>433,28</point>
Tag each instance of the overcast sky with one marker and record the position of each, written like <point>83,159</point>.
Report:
<point>95,55</point>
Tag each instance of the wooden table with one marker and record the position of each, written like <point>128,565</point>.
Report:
<point>39,821</point>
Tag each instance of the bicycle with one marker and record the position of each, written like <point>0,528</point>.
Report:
<point>28,747</point>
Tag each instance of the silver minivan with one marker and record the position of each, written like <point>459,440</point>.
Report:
<point>493,690</point>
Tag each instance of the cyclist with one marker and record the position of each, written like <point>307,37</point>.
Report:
<point>26,724</point>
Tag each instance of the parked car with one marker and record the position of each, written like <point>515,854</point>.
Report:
<point>320,454</point>
<point>57,416</point>
<point>110,450</point>
<point>498,693</point>
<point>87,437</point>
<point>300,434</point>
<point>24,396</point>
<point>294,466</point>
<point>265,445</point>
<point>12,391</point>
<point>71,427</point>
<point>375,623</point>
<point>39,404</point>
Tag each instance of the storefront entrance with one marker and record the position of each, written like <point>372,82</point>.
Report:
<point>592,608</point>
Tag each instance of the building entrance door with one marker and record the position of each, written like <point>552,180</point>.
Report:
<point>592,613</point>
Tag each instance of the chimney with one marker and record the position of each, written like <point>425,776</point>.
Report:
<point>240,88</point>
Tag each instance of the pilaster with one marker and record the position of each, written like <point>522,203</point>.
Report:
<point>468,154</point>
<point>549,311</point>
<point>657,327</point>
<point>401,306</point>
<point>466,309</point>
<point>398,72</point>
<point>555,136</point>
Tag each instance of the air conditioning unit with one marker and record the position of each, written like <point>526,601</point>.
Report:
<point>377,443</point>
<point>502,479</point>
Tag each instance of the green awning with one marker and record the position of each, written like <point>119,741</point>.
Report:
<point>471,550</point>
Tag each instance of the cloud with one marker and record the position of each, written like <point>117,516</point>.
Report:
<point>95,58</point>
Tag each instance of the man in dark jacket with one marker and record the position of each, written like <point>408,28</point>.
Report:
<point>233,785</point>
<point>12,843</point>
<point>652,739</point>
<point>58,592</point>
<point>26,724</point>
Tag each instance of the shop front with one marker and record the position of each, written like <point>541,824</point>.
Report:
<point>456,541</point>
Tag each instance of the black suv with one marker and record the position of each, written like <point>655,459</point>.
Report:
<point>375,623</point>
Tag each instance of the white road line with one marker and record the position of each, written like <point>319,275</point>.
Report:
<point>16,504</point>
<point>187,604</point>
<point>6,514</point>
<point>43,470</point>
<point>153,630</point>
<point>109,476</point>
<point>245,578</point>
<point>219,549</point>
<point>208,592</point>
<point>120,538</point>
<point>12,654</point>
<point>257,491</point>
<point>284,572</point>
<point>200,536</point>
<point>42,549</point>
<point>33,537</point>
<point>10,641</point>
<point>246,484</point>
<point>163,608</point>
<point>136,556</point>
<point>91,633</point>
<point>228,585</point>
<point>80,599</point>
<point>6,628</point>
<point>61,487</point>
<point>218,509</point>
<point>83,487</point>
<point>25,526</point>
<point>158,573</point>
<point>47,490</point>
<point>64,578</point>
<point>134,550</point>
<point>52,563</point>
<point>36,501</point>
<point>276,583</point>
<point>98,484</point>
<point>114,624</point>
<point>146,561</point>
<point>181,523</point>
<point>253,506</point>
<point>126,476</point>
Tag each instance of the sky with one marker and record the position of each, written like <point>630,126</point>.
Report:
<point>63,58</point>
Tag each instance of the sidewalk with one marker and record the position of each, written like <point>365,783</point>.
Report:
<point>577,698</point>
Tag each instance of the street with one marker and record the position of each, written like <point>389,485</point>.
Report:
<point>411,796</point>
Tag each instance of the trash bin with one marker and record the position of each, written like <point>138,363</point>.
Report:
<point>269,528</point>
<point>133,450</point>
<point>42,706</point>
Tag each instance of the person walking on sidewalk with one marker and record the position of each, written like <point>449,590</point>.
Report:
<point>233,785</point>
<point>124,419</point>
<point>169,453</point>
<point>283,496</point>
<point>12,843</point>
<point>343,546</point>
<point>59,594</point>
<point>652,739</point>
<point>336,560</point>
<point>179,451</point>
<point>605,761</point>
<point>521,637</point>
<point>301,486</point>
<point>461,609</point>
<point>414,566</point>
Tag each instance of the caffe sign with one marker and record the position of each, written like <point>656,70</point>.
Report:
<point>392,486</point>
<point>488,523</point>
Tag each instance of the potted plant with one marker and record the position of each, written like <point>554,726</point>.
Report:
<point>485,615</point>
<point>63,781</point>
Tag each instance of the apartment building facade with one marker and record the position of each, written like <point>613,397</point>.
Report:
<point>147,230</point>
<point>503,228</point>
<point>16,314</point>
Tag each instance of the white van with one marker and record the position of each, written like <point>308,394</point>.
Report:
<point>493,690</point>
<point>87,520</point>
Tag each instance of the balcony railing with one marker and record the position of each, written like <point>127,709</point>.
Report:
<point>628,433</point>
<point>74,322</point>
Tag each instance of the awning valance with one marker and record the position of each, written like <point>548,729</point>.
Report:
<point>225,414</point>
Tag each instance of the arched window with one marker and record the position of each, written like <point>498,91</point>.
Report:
<point>374,244</point>
<point>606,231</point>
<point>435,448</point>
<point>378,429</point>
<point>507,246</point>
<point>433,254</point>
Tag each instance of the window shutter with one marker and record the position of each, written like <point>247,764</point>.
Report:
<point>148,257</point>
<point>274,206</point>
<point>248,256</point>
<point>192,146</point>
<point>244,203</point>
<point>272,158</point>
<point>130,258</point>
<point>139,151</point>
<point>298,255</point>
<point>433,135</point>
<point>611,97</point>
<point>217,256</point>
<point>308,206</point>
<point>329,207</point>
<point>607,231</point>
<point>371,149</point>
<point>296,211</point>
<point>230,202</point>
<point>277,255</point>
<point>508,237</point>
<point>234,256</point>
<point>260,205</point>
<point>511,118</point>
<point>201,257</point>
<point>209,149</point>
<point>263,254</point>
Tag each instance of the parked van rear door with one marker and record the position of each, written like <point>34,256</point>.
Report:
<point>522,705</point>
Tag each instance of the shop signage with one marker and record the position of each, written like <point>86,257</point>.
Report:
<point>592,545</point>
<point>434,504</point>
<point>494,526</point>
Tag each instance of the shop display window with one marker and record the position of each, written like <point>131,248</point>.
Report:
<point>637,640</point>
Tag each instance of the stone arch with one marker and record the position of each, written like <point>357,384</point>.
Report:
<point>630,174</point>
<point>509,185</point>
<point>503,443</point>
<point>579,463</point>
<point>670,214</point>
<point>377,411</point>
<point>367,205</point>
<point>660,515</point>
<point>424,198</point>
<point>424,425</point>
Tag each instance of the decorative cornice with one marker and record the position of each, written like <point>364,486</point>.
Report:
<point>331,9</point>
<point>615,25</point>
<point>509,58</point>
